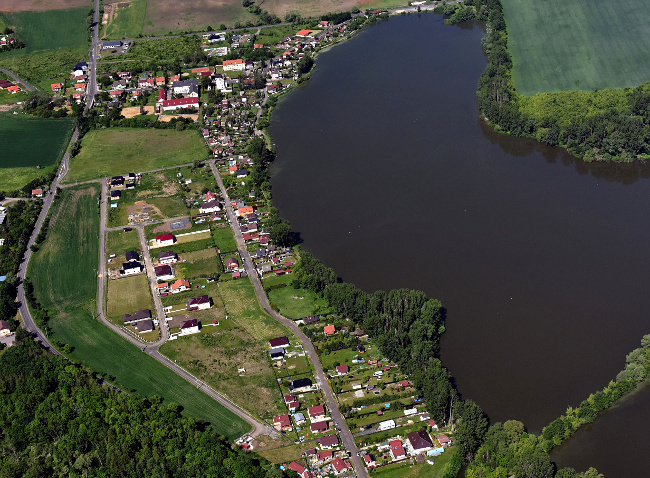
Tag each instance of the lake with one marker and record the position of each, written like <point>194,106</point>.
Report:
<point>541,260</point>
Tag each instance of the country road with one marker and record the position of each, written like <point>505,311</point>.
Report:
<point>346,436</point>
<point>26,85</point>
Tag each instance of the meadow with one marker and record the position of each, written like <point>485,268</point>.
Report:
<point>224,239</point>
<point>119,242</point>
<point>559,46</point>
<point>126,295</point>
<point>294,303</point>
<point>122,150</point>
<point>49,30</point>
<point>27,142</point>
<point>64,281</point>
<point>128,21</point>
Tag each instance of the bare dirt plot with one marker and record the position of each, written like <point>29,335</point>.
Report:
<point>168,118</point>
<point>131,111</point>
<point>138,206</point>
<point>40,5</point>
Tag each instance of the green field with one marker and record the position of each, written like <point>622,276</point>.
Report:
<point>65,283</point>
<point>128,21</point>
<point>120,242</point>
<point>402,470</point>
<point>28,141</point>
<point>296,303</point>
<point>109,152</point>
<point>126,295</point>
<point>49,30</point>
<point>561,45</point>
<point>224,239</point>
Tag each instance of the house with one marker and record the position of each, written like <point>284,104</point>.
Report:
<point>136,316</point>
<point>184,87</point>
<point>323,456</point>
<point>289,398</point>
<point>264,240</point>
<point>299,418</point>
<point>5,328</point>
<point>386,425</point>
<point>328,441</point>
<point>164,272</point>
<point>319,427</point>
<point>116,194</point>
<point>56,86</point>
<point>231,263</point>
<point>163,288</point>
<point>82,65</point>
<point>323,24</point>
<point>316,411</point>
<point>210,206</point>
<point>189,327</point>
<point>397,450</point>
<point>234,65</point>
<point>202,69</point>
<point>165,239</point>
<point>277,353</point>
<point>444,440</point>
<point>404,383</point>
<point>342,369</point>
<point>167,257</point>
<point>293,406</point>
<point>129,268</point>
<point>282,422</point>
<point>162,96</point>
<point>132,256</point>
<point>220,84</point>
<point>311,319</point>
<point>369,460</point>
<point>329,330</point>
<point>242,173</point>
<point>117,182</point>
<point>209,196</point>
<point>433,425</point>
<point>303,33</point>
<point>111,45</point>
<point>37,193</point>
<point>243,210</point>
<point>340,466</point>
<point>80,87</point>
<point>418,442</point>
<point>144,326</point>
<point>301,470</point>
<point>172,105</point>
<point>279,342</point>
<point>300,385</point>
<point>199,303</point>
<point>160,81</point>
<point>180,285</point>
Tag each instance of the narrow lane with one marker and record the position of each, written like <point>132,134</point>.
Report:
<point>25,85</point>
<point>346,436</point>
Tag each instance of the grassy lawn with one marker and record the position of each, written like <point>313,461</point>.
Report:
<point>126,295</point>
<point>201,236</point>
<point>65,284</point>
<point>559,45</point>
<point>172,206</point>
<point>217,353</point>
<point>202,268</point>
<point>286,454</point>
<point>404,470</point>
<point>273,35</point>
<point>115,151</point>
<point>297,303</point>
<point>224,239</point>
<point>51,29</point>
<point>128,22</point>
<point>242,306</point>
<point>120,242</point>
<point>27,142</point>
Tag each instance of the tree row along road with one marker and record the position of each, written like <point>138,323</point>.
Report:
<point>346,436</point>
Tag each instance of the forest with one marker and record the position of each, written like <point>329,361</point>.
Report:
<point>60,420</point>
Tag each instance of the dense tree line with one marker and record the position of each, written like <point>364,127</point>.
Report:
<point>16,230</point>
<point>59,420</point>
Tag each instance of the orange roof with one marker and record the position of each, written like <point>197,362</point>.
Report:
<point>179,283</point>
<point>245,209</point>
<point>199,70</point>
<point>162,285</point>
<point>37,191</point>
<point>80,85</point>
<point>56,85</point>
<point>303,32</point>
<point>329,329</point>
<point>13,89</point>
<point>239,61</point>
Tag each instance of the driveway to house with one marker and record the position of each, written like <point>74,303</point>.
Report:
<point>346,437</point>
<point>26,85</point>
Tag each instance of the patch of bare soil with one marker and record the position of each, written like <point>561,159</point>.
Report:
<point>131,111</point>
<point>139,205</point>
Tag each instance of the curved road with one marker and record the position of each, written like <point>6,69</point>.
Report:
<point>346,437</point>
<point>26,85</point>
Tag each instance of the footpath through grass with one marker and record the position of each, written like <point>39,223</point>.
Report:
<point>28,141</point>
<point>109,152</point>
<point>560,45</point>
<point>63,272</point>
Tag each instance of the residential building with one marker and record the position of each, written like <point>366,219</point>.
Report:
<point>340,466</point>
<point>329,330</point>
<point>397,450</point>
<point>369,460</point>
<point>189,327</point>
<point>282,422</point>
<point>444,440</point>
<point>319,427</point>
<point>199,303</point>
<point>180,285</point>
<point>164,272</point>
<point>111,45</point>
<point>136,316</point>
<point>231,263</point>
<point>279,342</point>
<point>5,328</point>
<point>144,326</point>
<point>418,442</point>
<point>234,65</point>
<point>342,369</point>
<point>328,442</point>
<point>163,240</point>
<point>210,206</point>
<point>300,385</point>
<point>132,256</point>
<point>130,268</point>
<point>175,104</point>
<point>185,87</point>
<point>167,257</point>
<point>277,353</point>
<point>317,411</point>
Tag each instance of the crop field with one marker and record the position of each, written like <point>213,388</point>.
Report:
<point>49,30</point>
<point>127,22</point>
<point>575,45</point>
<point>65,284</point>
<point>242,305</point>
<point>114,151</point>
<point>126,295</point>
<point>120,242</point>
<point>28,141</point>
<point>169,15</point>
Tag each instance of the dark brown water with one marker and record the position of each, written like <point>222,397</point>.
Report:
<point>541,260</point>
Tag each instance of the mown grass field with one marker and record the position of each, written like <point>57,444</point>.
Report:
<point>224,239</point>
<point>126,295</point>
<point>28,141</point>
<point>128,22</point>
<point>49,30</point>
<point>120,242</point>
<point>403,470</point>
<point>295,303</point>
<point>65,283</point>
<point>561,45</point>
<point>115,151</point>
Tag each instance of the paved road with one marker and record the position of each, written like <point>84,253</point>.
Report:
<point>346,437</point>
<point>26,85</point>
<point>153,285</point>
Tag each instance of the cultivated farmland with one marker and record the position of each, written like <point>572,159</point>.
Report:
<point>65,284</point>
<point>562,45</point>
<point>122,150</point>
<point>49,30</point>
<point>29,141</point>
